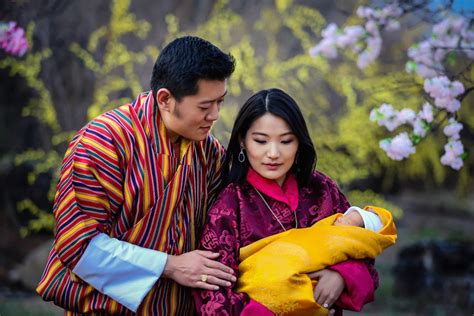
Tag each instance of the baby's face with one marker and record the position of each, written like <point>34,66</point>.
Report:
<point>351,219</point>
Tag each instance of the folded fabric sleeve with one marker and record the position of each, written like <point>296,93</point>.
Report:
<point>120,270</point>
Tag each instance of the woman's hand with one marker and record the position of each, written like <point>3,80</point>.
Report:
<point>329,287</point>
<point>198,269</point>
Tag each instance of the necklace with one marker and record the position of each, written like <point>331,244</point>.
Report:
<point>271,211</point>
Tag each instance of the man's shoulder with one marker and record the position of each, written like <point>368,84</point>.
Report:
<point>120,116</point>
<point>106,128</point>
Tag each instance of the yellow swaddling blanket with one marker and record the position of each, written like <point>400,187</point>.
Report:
<point>273,270</point>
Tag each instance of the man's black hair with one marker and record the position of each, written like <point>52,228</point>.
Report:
<point>186,60</point>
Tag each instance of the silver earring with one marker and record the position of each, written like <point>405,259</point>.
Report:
<point>241,156</point>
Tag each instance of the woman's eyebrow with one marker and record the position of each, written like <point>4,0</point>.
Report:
<point>263,134</point>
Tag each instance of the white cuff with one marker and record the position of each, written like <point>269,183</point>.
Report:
<point>371,220</point>
<point>120,270</point>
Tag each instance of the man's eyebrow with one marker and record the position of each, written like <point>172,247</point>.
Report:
<point>210,101</point>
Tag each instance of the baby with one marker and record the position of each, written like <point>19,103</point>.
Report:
<point>283,286</point>
<point>355,216</point>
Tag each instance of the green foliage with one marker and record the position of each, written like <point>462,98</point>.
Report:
<point>336,98</point>
<point>115,72</point>
<point>40,107</point>
<point>43,220</point>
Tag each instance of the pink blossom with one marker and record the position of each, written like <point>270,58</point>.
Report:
<point>450,105</point>
<point>330,31</point>
<point>419,127</point>
<point>372,51</point>
<point>452,156</point>
<point>444,92</point>
<point>455,146</point>
<point>425,63</point>
<point>12,39</point>
<point>459,23</point>
<point>425,71</point>
<point>327,46</point>
<point>448,34</point>
<point>421,52</point>
<point>392,25</point>
<point>439,54</point>
<point>452,129</point>
<point>448,159</point>
<point>392,11</point>
<point>350,37</point>
<point>372,27</point>
<point>426,113</point>
<point>386,116</point>
<point>365,12</point>
<point>364,59</point>
<point>406,116</point>
<point>398,148</point>
<point>441,27</point>
<point>457,88</point>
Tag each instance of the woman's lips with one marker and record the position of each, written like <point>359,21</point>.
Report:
<point>272,166</point>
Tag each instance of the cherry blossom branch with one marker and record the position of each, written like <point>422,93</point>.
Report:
<point>12,39</point>
<point>427,58</point>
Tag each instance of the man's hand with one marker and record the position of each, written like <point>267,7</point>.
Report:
<point>329,287</point>
<point>189,268</point>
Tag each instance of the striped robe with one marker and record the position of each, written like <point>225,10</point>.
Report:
<point>120,176</point>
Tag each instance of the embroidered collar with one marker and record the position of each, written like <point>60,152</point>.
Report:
<point>287,193</point>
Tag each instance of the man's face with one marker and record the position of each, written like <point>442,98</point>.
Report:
<point>192,117</point>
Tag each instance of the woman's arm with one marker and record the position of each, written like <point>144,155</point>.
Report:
<point>361,280</point>
<point>359,276</point>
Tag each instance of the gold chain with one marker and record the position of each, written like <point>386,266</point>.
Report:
<point>270,209</point>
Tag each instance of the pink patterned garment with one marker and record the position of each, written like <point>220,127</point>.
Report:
<point>239,217</point>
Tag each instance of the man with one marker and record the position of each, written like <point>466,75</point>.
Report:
<point>135,186</point>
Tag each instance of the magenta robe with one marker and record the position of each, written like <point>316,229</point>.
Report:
<point>239,217</point>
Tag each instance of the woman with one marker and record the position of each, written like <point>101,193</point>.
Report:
<point>270,186</point>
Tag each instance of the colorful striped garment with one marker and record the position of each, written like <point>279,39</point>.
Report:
<point>121,176</point>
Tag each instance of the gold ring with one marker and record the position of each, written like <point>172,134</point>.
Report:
<point>204,278</point>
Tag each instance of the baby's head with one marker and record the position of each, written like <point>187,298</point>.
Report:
<point>351,219</point>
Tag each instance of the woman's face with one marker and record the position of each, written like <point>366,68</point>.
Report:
<point>271,147</point>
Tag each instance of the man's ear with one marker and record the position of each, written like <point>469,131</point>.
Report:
<point>164,98</point>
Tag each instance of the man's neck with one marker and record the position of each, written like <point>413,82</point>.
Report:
<point>174,138</point>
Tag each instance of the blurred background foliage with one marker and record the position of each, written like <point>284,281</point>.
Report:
<point>72,74</point>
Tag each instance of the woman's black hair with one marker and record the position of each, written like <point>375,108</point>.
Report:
<point>278,103</point>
